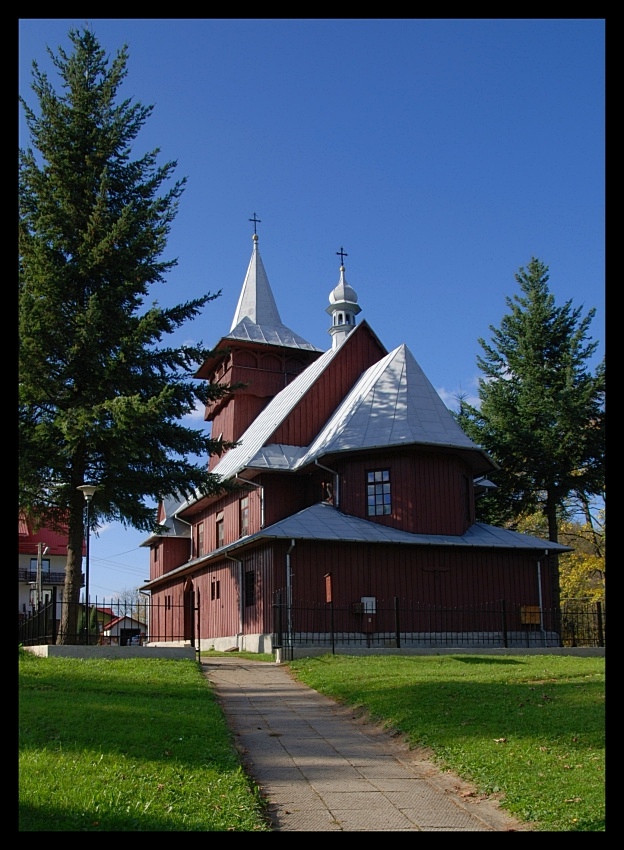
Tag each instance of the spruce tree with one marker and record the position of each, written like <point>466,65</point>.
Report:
<point>101,394</point>
<point>541,413</point>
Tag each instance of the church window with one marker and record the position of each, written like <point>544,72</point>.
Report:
<point>250,588</point>
<point>244,516</point>
<point>219,529</point>
<point>378,492</point>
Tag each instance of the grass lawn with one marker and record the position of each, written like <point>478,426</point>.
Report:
<point>140,745</point>
<point>528,728</point>
<point>128,745</point>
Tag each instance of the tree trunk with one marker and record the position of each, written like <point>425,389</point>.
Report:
<point>553,562</point>
<point>68,632</point>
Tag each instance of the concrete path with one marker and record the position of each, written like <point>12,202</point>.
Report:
<point>322,769</point>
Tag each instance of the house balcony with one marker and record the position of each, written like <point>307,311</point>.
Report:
<point>28,576</point>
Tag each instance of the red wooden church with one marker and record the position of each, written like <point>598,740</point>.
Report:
<point>355,517</point>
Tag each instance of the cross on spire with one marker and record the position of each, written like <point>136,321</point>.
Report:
<point>342,254</point>
<point>255,222</point>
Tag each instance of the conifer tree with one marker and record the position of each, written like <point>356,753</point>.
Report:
<point>101,394</point>
<point>541,413</point>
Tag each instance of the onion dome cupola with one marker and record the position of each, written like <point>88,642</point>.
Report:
<point>343,306</point>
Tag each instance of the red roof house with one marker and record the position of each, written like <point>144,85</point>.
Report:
<point>52,544</point>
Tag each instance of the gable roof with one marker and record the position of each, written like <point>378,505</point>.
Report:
<point>254,438</point>
<point>123,619</point>
<point>170,525</point>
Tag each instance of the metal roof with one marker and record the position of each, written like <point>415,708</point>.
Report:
<point>277,456</point>
<point>256,318</point>
<point>393,403</point>
<point>171,526</point>
<point>276,334</point>
<point>259,432</point>
<point>324,522</point>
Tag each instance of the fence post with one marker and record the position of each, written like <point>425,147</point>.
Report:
<point>279,643</point>
<point>331,626</point>
<point>397,629</point>
<point>198,613</point>
<point>54,621</point>
<point>600,624</point>
<point>504,622</point>
<point>47,625</point>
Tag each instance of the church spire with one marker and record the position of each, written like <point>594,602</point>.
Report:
<point>343,306</point>
<point>256,300</point>
<point>256,317</point>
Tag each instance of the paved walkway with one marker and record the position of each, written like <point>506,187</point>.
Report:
<point>322,769</point>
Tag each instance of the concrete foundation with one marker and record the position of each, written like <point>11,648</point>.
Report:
<point>53,651</point>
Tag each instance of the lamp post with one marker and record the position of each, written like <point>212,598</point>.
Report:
<point>41,551</point>
<point>87,491</point>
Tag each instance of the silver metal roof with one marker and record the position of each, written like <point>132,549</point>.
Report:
<point>392,403</point>
<point>257,318</point>
<point>324,522</point>
<point>249,331</point>
<point>259,432</point>
<point>171,526</point>
<point>277,456</point>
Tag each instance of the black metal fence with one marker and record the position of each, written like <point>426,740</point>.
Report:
<point>369,623</point>
<point>400,624</point>
<point>110,623</point>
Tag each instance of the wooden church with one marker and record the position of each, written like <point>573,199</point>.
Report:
<point>353,522</point>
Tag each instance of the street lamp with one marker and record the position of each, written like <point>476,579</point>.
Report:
<point>87,491</point>
<point>41,551</point>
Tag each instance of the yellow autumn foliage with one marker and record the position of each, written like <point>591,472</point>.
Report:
<point>581,572</point>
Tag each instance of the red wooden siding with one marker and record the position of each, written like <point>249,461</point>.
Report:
<point>219,592</point>
<point>287,494</point>
<point>428,491</point>
<point>265,372</point>
<point>438,576</point>
<point>219,616</point>
<point>423,579</point>
<point>360,350</point>
<point>167,554</point>
<point>229,506</point>
<point>167,621</point>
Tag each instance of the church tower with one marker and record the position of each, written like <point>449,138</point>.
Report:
<point>259,351</point>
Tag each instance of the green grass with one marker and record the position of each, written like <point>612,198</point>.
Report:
<point>248,656</point>
<point>142,745</point>
<point>132,745</point>
<point>530,729</point>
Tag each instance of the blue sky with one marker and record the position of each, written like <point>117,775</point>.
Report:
<point>441,154</point>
